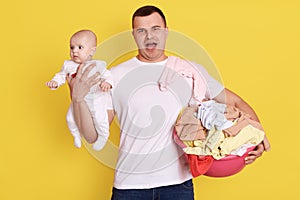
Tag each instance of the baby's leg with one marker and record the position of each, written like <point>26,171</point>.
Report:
<point>100,119</point>
<point>73,127</point>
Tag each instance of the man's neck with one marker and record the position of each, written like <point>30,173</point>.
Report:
<point>142,59</point>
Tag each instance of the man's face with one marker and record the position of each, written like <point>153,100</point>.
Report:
<point>81,49</point>
<point>150,35</point>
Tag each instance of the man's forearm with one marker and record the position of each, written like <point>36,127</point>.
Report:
<point>84,121</point>
<point>231,99</point>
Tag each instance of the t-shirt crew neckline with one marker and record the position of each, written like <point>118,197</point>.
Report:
<point>149,63</point>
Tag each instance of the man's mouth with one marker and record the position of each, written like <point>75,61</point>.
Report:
<point>151,45</point>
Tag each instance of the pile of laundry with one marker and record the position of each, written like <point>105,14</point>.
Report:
<point>212,131</point>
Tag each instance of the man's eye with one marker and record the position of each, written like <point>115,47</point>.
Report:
<point>140,30</point>
<point>80,47</point>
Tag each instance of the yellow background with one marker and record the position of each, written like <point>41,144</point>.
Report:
<point>254,43</point>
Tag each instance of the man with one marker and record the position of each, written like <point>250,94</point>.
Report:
<point>150,165</point>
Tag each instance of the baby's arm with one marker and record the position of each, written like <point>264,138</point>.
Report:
<point>107,82</point>
<point>60,77</point>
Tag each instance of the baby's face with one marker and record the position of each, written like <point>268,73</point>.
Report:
<point>81,48</point>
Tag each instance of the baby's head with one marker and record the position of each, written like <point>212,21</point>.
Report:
<point>83,45</point>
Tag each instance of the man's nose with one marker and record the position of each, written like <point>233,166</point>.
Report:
<point>149,34</point>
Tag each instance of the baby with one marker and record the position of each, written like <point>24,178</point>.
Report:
<point>82,48</point>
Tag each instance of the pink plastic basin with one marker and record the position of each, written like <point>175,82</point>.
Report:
<point>227,166</point>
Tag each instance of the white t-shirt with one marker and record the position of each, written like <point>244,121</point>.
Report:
<point>148,156</point>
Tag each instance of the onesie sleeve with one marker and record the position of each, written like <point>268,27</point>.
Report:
<point>104,72</point>
<point>108,77</point>
<point>60,77</point>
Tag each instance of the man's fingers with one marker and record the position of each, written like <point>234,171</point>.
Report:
<point>266,144</point>
<point>87,70</point>
<point>258,151</point>
<point>94,79</point>
<point>80,69</point>
<point>82,76</point>
<point>90,66</point>
<point>250,159</point>
<point>69,78</point>
<point>253,155</point>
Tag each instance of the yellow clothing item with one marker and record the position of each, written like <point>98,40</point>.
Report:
<point>247,135</point>
<point>199,147</point>
<point>218,146</point>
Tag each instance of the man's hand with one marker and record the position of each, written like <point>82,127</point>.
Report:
<point>258,151</point>
<point>81,84</point>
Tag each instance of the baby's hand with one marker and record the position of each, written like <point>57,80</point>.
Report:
<point>105,86</point>
<point>52,84</point>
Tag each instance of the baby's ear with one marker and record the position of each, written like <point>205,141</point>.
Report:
<point>93,50</point>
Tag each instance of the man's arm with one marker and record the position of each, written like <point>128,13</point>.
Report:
<point>79,87</point>
<point>229,98</point>
<point>84,121</point>
<point>232,99</point>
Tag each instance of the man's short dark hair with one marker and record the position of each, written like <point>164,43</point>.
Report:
<point>148,10</point>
